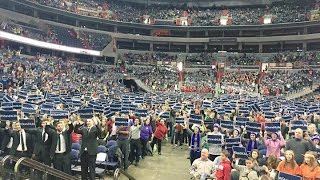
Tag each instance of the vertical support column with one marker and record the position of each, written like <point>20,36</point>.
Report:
<point>240,47</point>
<point>261,33</point>
<point>77,23</point>
<point>35,13</point>
<point>115,29</point>
<point>304,46</point>
<point>13,7</point>
<point>260,48</point>
<point>187,48</point>
<point>240,33</point>
<point>206,32</point>
<point>151,47</point>
<point>305,30</point>
<point>188,34</point>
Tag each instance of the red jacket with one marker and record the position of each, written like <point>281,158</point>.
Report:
<point>109,125</point>
<point>224,170</point>
<point>160,131</point>
<point>262,121</point>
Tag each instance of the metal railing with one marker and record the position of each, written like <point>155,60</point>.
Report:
<point>119,172</point>
<point>12,166</point>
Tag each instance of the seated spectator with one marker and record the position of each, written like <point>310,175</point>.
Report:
<point>257,163</point>
<point>310,169</point>
<point>288,164</point>
<point>255,155</point>
<point>246,172</point>
<point>202,167</point>
<point>271,168</point>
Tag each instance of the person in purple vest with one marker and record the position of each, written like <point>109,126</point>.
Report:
<point>145,136</point>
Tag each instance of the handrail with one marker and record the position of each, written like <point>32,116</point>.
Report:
<point>8,157</point>
<point>119,171</point>
<point>4,171</point>
<point>41,167</point>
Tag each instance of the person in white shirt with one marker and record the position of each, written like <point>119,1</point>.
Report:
<point>202,167</point>
<point>22,142</point>
<point>135,143</point>
<point>215,149</point>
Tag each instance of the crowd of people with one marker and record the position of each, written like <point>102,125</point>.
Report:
<point>147,58</point>
<point>199,59</point>
<point>249,59</point>
<point>245,59</point>
<point>201,81</point>
<point>291,149</point>
<point>268,83</point>
<point>165,79</point>
<point>283,12</point>
<point>58,35</point>
<point>311,57</point>
<point>272,83</point>
<point>158,78</point>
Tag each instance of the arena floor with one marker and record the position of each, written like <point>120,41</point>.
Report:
<point>171,165</point>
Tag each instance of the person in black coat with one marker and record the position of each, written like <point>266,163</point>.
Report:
<point>5,138</point>
<point>89,147</point>
<point>44,143</point>
<point>22,145</point>
<point>2,126</point>
<point>62,146</point>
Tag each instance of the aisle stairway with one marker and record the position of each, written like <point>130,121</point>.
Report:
<point>142,85</point>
